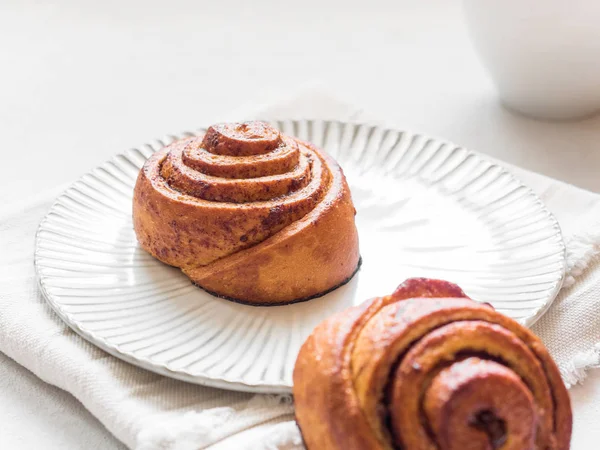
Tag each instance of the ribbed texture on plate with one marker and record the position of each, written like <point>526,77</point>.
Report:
<point>425,208</point>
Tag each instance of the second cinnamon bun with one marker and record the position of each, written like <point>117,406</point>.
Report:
<point>427,368</point>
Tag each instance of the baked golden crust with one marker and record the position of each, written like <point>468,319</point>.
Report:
<point>249,214</point>
<point>428,368</point>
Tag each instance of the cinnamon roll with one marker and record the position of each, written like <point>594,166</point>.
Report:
<point>428,368</point>
<point>248,214</point>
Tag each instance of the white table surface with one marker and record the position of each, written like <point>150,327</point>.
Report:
<point>81,80</point>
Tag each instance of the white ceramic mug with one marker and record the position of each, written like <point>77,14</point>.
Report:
<point>544,56</point>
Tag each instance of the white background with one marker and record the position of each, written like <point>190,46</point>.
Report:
<point>82,80</point>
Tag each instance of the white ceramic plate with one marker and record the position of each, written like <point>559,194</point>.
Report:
<point>425,208</point>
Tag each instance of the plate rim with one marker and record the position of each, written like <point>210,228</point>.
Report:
<point>261,386</point>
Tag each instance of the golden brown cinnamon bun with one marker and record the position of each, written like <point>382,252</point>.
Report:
<point>428,368</point>
<point>248,214</point>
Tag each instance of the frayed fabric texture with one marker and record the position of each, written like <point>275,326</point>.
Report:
<point>582,250</point>
<point>575,371</point>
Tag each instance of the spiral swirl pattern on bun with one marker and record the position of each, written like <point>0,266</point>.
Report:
<point>248,214</point>
<point>427,368</point>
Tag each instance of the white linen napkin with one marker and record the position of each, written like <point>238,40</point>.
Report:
<point>152,412</point>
